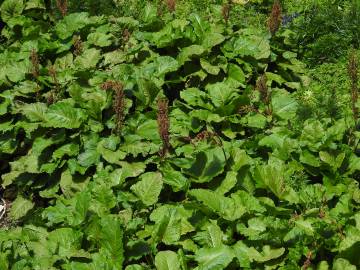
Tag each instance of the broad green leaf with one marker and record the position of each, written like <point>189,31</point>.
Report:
<point>284,105</point>
<point>64,115</point>
<point>207,165</point>
<point>236,73</point>
<point>167,260</point>
<point>308,158</point>
<point>65,241</point>
<point>273,177</point>
<point>112,240</point>
<point>228,208</point>
<point>187,53</point>
<point>11,8</point>
<point>212,39</point>
<point>208,67</point>
<point>99,39</point>
<point>228,183</point>
<point>341,264</point>
<point>333,161</point>
<point>148,188</point>
<point>251,42</point>
<point>174,178</point>
<point>220,93</point>
<point>72,23</point>
<point>214,258</point>
<point>211,235</point>
<point>195,97</point>
<point>20,207</point>
<point>88,59</point>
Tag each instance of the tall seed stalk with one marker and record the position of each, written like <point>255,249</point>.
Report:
<point>265,94</point>
<point>62,5</point>
<point>275,18</point>
<point>35,63</point>
<point>163,124</point>
<point>118,102</point>
<point>353,66</point>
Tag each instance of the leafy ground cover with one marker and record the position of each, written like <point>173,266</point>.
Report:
<point>164,142</point>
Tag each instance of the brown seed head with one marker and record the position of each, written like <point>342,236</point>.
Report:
<point>118,103</point>
<point>62,5</point>
<point>78,45</point>
<point>163,124</point>
<point>171,5</point>
<point>225,11</point>
<point>353,71</point>
<point>274,20</point>
<point>34,58</point>
<point>265,94</point>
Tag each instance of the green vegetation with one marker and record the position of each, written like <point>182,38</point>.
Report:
<point>178,135</point>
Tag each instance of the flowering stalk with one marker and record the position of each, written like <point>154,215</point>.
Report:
<point>34,59</point>
<point>171,5</point>
<point>354,80</point>
<point>264,92</point>
<point>275,18</point>
<point>54,93</point>
<point>225,11</point>
<point>62,5</point>
<point>118,103</point>
<point>78,45</point>
<point>163,124</point>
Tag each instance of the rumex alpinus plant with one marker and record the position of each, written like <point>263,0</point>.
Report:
<point>34,59</point>
<point>274,20</point>
<point>353,66</point>
<point>62,5</point>
<point>265,94</point>
<point>163,124</point>
<point>118,102</point>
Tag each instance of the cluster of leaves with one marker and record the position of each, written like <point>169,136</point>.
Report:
<point>166,143</point>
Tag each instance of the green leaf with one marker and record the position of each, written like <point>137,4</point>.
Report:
<point>220,93</point>
<point>209,68</point>
<point>64,115</point>
<point>112,240</point>
<point>174,178</point>
<point>214,258</point>
<point>283,104</point>
<point>99,39</point>
<point>195,97</point>
<point>148,188</point>
<point>88,59</point>
<point>11,8</point>
<point>72,23</point>
<point>187,53</point>
<point>236,73</point>
<point>212,39</point>
<point>342,264</point>
<point>228,183</point>
<point>35,112</point>
<point>65,242</point>
<point>228,208</point>
<point>251,42</point>
<point>333,161</point>
<point>210,236</point>
<point>273,177</point>
<point>167,260</point>
<point>207,165</point>
<point>20,207</point>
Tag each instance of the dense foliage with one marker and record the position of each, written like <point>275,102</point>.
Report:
<point>173,142</point>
